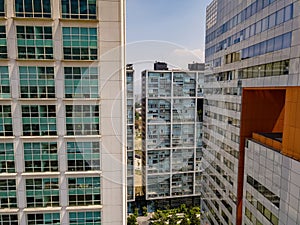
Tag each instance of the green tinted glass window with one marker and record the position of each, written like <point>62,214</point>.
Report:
<point>84,191</point>
<point>8,193</point>
<point>83,156</point>
<point>34,42</point>
<point>37,82</point>
<point>80,43</point>
<point>39,120</point>
<point>7,159</point>
<point>42,192</point>
<point>82,119</point>
<point>6,128</point>
<point>41,157</point>
<point>83,9</point>
<point>33,8</point>
<point>81,82</point>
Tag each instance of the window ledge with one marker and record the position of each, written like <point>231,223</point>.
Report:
<point>84,207</point>
<point>94,173</point>
<point>79,20</point>
<point>38,60</point>
<point>32,18</point>
<point>41,174</point>
<point>39,137</point>
<point>44,209</point>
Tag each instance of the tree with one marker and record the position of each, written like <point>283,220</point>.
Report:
<point>131,220</point>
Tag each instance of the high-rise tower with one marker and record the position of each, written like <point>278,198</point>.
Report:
<point>172,103</point>
<point>250,140</point>
<point>62,112</point>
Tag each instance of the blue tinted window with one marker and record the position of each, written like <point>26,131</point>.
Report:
<point>288,14</point>
<point>252,30</point>
<point>257,49</point>
<point>278,43</point>
<point>247,32</point>
<point>265,23</point>
<point>258,27</point>
<point>265,3</point>
<point>253,8</point>
<point>259,5</point>
<point>248,12</point>
<point>270,45</point>
<point>245,53</point>
<point>263,47</point>
<point>287,39</point>
<point>280,16</point>
<point>251,51</point>
<point>272,20</point>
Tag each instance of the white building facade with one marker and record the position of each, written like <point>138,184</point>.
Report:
<point>62,112</point>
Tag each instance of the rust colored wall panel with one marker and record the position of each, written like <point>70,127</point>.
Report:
<point>291,133</point>
<point>262,111</point>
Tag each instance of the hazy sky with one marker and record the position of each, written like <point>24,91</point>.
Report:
<point>165,30</point>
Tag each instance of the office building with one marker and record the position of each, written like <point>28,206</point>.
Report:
<point>172,103</point>
<point>250,130</point>
<point>62,112</point>
<point>130,133</point>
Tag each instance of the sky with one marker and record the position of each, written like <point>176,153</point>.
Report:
<point>172,31</point>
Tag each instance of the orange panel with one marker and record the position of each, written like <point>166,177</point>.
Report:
<point>291,132</point>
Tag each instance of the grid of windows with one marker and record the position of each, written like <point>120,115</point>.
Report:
<point>158,186</point>
<point>9,219</point>
<point>252,9</point>
<point>81,82</point>
<point>264,191</point>
<point>37,82</point>
<point>35,42</point>
<point>41,157</point>
<point>262,209</point>
<point>83,156</point>
<point>33,8</point>
<point>274,44</point>
<point>80,43</point>
<point>8,193</point>
<point>79,9</point>
<point>158,161</point>
<point>82,119</point>
<point>42,192</point>
<point>4,81</point>
<point>5,121</point>
<point>84,191</point>
<point>7,159</point>
<point>3,44</point>
<point>89,218</point>
<point>43,218</point>
<point>39,120</point>
<point>268,22</point>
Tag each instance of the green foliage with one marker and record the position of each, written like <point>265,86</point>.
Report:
<point>136,212</point>
<point>131,220</point>
<point>185,221</point>
<point>181,215</point>
<point>145,211</point>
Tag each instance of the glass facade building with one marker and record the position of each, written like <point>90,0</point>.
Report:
<point>171,132</point>
<point>62,152</point>
<point>130,97</point>
<point>249,113</point>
